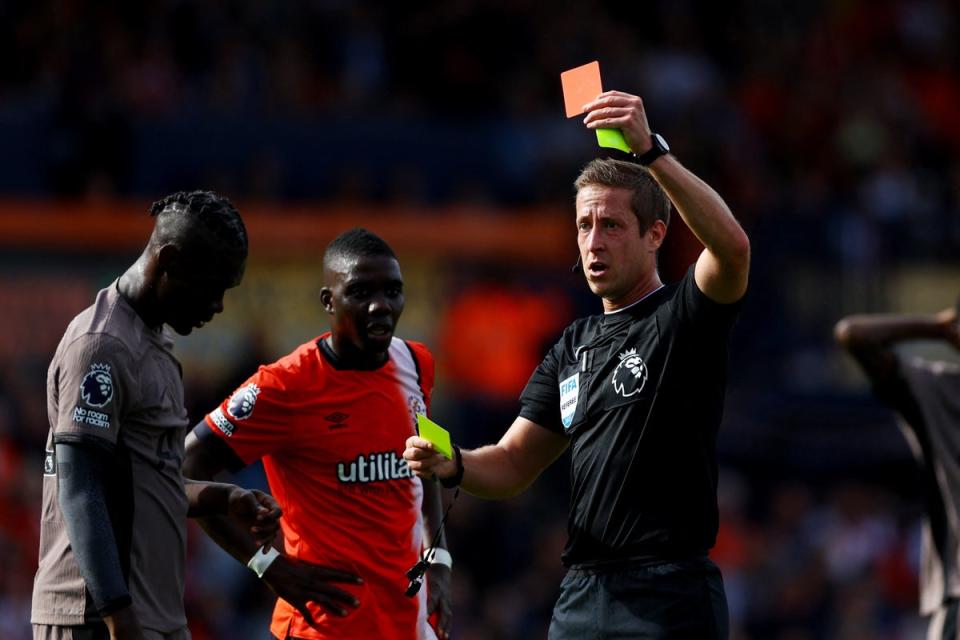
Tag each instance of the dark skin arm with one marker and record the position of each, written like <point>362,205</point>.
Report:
<point>253,509</point>
<point>123,624</point>
<point>296,582</point>
<point>870,338</point>
<point>438,576</point>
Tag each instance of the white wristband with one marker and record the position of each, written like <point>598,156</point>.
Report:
<point>260,562</point>
<point>440,556</point>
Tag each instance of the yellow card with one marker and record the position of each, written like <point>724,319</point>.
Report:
<point>612,138</point>
<point>440,437</point>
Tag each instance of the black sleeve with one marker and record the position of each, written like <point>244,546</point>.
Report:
<point>82,499</point>
<point>217,449</point>
<point>697,309</point>
<point>540,400</point>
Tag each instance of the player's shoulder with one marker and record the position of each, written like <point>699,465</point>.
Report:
<point>419,349</point>
<point>103,329</point>
<point>411,354</point>
<point>301,366</point>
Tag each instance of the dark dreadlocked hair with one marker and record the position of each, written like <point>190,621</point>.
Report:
<point>357,243</point>
<point>213,212</point>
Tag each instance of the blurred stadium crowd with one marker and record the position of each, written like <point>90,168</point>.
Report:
<point>831,128</point>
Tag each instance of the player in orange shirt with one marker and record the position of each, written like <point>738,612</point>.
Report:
<point>329,421</point>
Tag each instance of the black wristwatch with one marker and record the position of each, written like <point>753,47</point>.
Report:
<point>457,478</point>
<point>659,148</point>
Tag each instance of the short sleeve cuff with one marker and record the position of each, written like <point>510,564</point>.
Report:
<point>204,432</point>
<point>115,605</point>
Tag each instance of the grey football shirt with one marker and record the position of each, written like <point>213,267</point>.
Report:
<point>114,383</point>
<point>929,407</point>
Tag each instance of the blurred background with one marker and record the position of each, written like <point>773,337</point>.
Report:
<point>831,128</point>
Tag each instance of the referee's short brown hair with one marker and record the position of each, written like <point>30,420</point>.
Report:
<point>649,202</point>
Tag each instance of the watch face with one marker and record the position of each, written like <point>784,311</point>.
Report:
<point>662,143</point>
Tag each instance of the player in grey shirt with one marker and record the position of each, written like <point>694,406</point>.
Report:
<point>113,528</point>
<point>926,395</point>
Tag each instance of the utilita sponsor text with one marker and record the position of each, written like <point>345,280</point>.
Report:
<point>373,467</point>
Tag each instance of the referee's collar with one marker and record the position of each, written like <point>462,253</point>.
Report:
<point>637,306</point>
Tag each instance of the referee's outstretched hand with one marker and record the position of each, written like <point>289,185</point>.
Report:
<point>425,461</point>
<point>300,582</point>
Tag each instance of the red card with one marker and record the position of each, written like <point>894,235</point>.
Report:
<point>580,86</point>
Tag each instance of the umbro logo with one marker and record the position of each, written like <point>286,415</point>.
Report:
<point>337,420</point>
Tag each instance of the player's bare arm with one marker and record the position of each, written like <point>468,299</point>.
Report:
<point>292,580</point>
<point>255,510</point>
<point>495,471</point>
<point>439,575</point>
<point>200,466</point>
<point>722,269</point>
<point>870,337</point>
<point>123,625</point>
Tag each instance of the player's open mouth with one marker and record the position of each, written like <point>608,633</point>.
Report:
<point>379,330</point>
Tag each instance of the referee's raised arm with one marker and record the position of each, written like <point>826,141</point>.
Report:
<point>723,267</point>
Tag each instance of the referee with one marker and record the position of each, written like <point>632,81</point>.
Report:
<point>638,393</point>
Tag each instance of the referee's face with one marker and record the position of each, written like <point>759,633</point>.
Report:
<point>618,261</point>
<point>364,295</point>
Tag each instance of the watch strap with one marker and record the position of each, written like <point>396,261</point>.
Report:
<point>655,151</point>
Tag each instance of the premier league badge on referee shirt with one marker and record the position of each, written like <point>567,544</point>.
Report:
<point>96,389</point>
<point>569,391</point>
<point>630,375</point>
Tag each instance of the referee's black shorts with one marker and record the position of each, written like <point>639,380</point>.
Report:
<point>675,600</point>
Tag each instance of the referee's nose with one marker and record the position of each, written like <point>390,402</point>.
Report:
<point>595,240</point>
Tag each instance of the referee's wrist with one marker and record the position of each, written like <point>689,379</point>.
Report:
<point>454,481</point>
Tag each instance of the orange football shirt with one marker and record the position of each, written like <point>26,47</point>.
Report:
<point>332,441</point>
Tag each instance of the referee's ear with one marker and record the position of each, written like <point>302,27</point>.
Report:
<point>656,232</point>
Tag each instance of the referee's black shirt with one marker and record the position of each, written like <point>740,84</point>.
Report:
<point>642,391</point>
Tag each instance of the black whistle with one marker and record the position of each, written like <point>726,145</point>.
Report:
<point>416,571</point>
<point>413,588</point>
